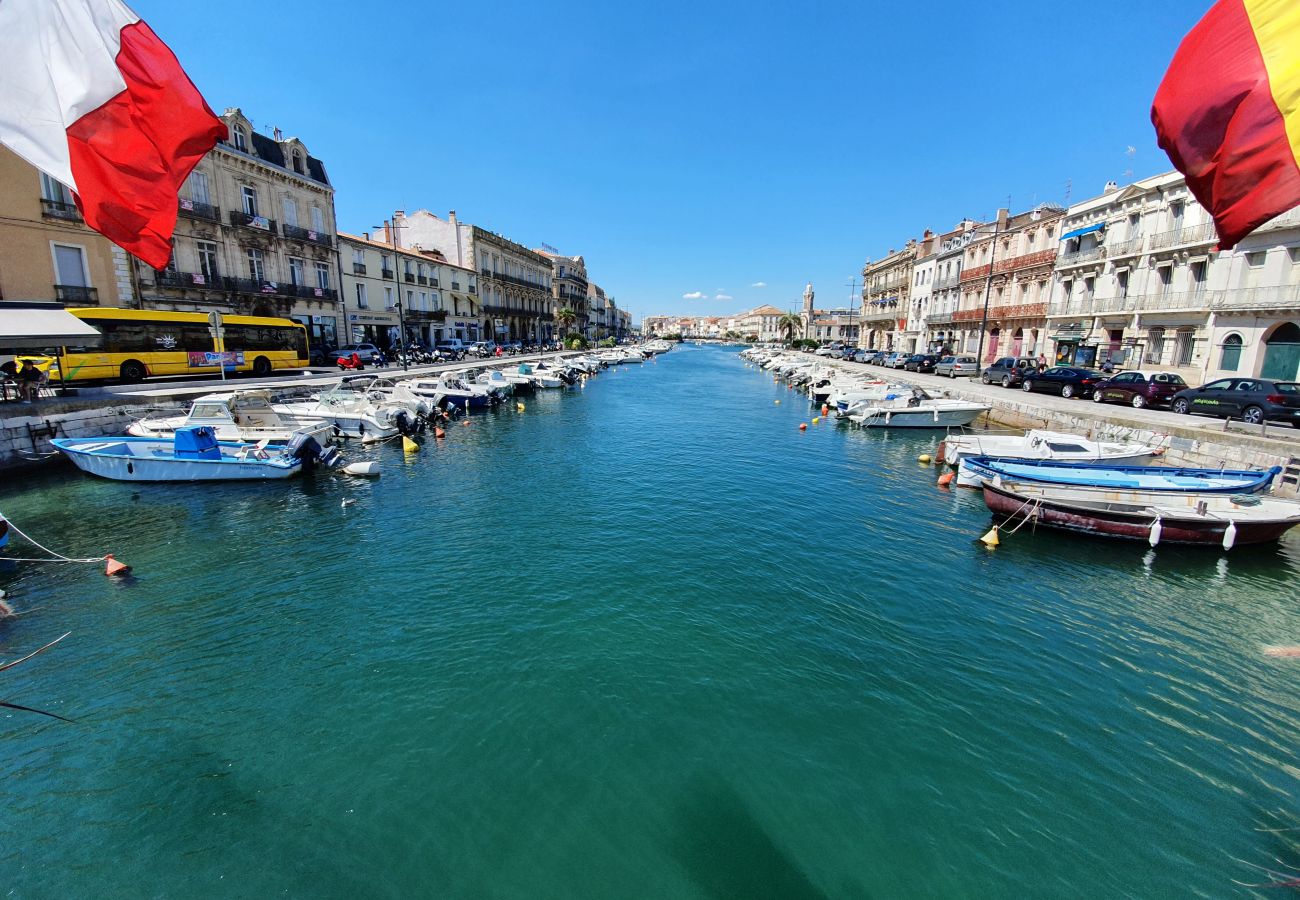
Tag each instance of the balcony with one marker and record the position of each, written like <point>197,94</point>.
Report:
<point>1131,247</point>
<point>196,209</point>
<point>293,232</point>
<point>252,222</point>
<point>433,282</point>
<point>308,292</point>
<point>409,278</point>
<point>1079,257</point>
<point>260,287</point>
<point>976,273</point>
<point>56,209</point>
<point>1286,296</point>
<point>387,273</point>
<point>426,315</point>
<point>1178,237</point>
<point>188,281</point>
<point>1026,261</point>
<point>76,294</point>
<point>948,281</point>
<point>473,288</point>
<point>358,268</point>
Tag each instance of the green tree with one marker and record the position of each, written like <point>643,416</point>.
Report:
<point>790,324</point>
<point>566,317</point>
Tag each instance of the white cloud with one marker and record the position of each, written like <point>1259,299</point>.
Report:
<point>759,284</point>
<point>695,295</point>
<point>723,297</point>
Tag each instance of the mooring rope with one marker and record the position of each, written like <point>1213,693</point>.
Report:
<point>57,557</point>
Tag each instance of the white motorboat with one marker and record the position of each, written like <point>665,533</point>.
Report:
<point>1038,444</point>
<point>357,407</point>
<point>238,416</point>
<point>916,409</point>
<point>494,380</point>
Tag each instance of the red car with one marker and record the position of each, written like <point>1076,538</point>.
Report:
<point>1139,388</point>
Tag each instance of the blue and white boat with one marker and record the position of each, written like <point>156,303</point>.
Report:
<point>194,454</point>
<point>1125,478</point>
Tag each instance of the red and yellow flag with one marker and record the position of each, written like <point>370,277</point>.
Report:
<point>1228,113</point>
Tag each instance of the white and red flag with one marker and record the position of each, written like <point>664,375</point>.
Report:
<point>90,95</point>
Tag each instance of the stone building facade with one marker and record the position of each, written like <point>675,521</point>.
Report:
<point>255,235</point>
<point>886,291</point>
<point>47,252</point>
<point>386,287</point>
<point>514,283</point>
<point>1139,282</point>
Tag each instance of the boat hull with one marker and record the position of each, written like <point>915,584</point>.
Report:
<point>922,418</point>
<point>124,459</point>
<point>1111,476</point>
<point>1130,522</point>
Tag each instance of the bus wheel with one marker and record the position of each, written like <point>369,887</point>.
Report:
<point>132,371</point>
<point>261,367</point>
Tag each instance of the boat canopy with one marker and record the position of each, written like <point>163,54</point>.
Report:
<point>33,325</point>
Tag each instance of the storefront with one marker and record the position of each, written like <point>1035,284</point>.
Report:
<point>321,330</point>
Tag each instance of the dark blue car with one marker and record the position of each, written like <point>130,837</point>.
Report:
<point>1068,381</point>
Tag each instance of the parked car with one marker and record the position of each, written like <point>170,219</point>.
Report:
<point>1068,381</point>
<point>1253,400</point>
<point>877,358</point>
<point>862,356</point>
<point>828,351</point>
<point>1008,371</point>
<point>369,353</point>
<point>955,366</point>
<point>896,360</point>
<point>1138,387</point>
<point>920,362</point>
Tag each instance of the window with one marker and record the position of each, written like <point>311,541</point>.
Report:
<point>296,271</point>
<point>1155,345</point>
<point>290,212</point>
<point>424,301</point>
<point>1121,283</point>
<point>1134,225</point>
<point>388,297</point>
<point>198,187</point>
<point>297,163</point>
<point>70,266</point>
<point>1183,343</point>
<point>1031,238</point>
<point>240,138</point>
<point>1230,356</point>
<point>363,301</point>
<point>55,190</point>
<point>1176,214</point>
<point>250,200</point>
<point>1196,275</point>
<point>410,299</point>
<point>1164,276</point>
<point>317,219</point>
<point>358,256</point>
<point>1255,267</point>
<point>1088,285</point>
<point>322,276</point>
<point>256,265</point>
<point>207,252</point>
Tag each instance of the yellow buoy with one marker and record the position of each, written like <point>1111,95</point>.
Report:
<point>924,458</point>
<point>408,445</point>
<point>991,539</point>
<point>816,419</point>
<point>777,402</point>
<point>519,406</point>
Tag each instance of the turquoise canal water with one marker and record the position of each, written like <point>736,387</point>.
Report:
<point>645,639</point>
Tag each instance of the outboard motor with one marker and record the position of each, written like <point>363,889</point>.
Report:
<point>305,447</point>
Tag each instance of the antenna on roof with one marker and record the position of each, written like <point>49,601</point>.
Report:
<point>1069,189</point>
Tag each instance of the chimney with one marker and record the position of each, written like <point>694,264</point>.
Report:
<point>1002,218</point>
<point>366,235</point>
<point>388,232</point>
<point>279,135</point>
<point>451,216</point>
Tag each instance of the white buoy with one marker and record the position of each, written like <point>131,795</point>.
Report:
<point>1156,529</point>
<point>1230,536</point>
<point>367,469</point>
<point>348,501</point>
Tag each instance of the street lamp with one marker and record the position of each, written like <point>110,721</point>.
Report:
<point>397,289</point>
<point>988,286</point>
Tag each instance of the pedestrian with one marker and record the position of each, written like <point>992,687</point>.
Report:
<point>29,381</point>
<point>1042,363</point>
<point>498,351</point>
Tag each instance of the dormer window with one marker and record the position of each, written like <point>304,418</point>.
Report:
<point>240,137</point>
<point>297,163</point>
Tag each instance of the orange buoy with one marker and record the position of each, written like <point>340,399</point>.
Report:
<point>803,426</point>
<point>825,409</point>
<point>439,433</point>
<point>465,422</point>
<point>945,479</point>
<point>114,567</point>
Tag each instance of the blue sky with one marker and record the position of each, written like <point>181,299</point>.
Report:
<point>697,148</point>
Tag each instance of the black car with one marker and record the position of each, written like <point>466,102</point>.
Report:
<point>877,358</point>
<point>1007,371</point>
<point>1253,400</point>
<point>1068,381</point>
<point>920,362</point>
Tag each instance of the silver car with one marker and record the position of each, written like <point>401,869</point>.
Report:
<point>957,366</point>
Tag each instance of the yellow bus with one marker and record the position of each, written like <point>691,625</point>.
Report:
<point>142,342</point>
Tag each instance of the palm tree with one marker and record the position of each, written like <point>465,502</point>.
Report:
<point>790,325</point>
<point>565,318</point>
